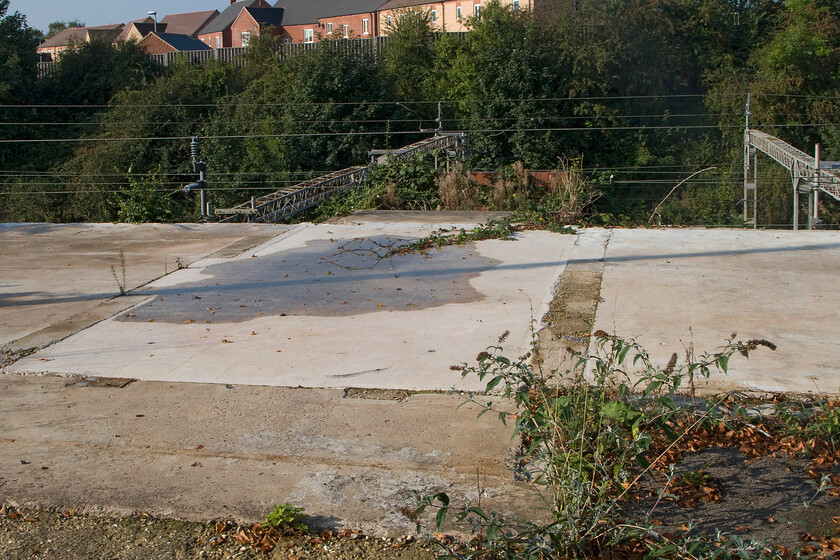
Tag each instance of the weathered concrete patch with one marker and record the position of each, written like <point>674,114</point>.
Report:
<point>399,333</point>
<point>324,278</point>
<point>678,288</point>
<point>54,274</point>
<point>197,451</point>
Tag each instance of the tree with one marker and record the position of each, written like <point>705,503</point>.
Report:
<point>58,26</point>
<point>94,72</point>
<point>409,54</point>
<point>505,67</point>
<point>17,55</point>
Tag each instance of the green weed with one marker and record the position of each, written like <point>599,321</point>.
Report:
<point>587,436</point>
<point>120,280</point>
<point>285,516</point>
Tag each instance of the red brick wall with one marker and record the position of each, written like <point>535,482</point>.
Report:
<point>355,25</point>
<point>155,45</point>
<point>243,23</point>
<point>539,178</point>
<point>212,37</point>
<point>295,32</point>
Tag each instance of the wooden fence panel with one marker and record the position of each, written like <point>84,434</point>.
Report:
<point>357,48</point>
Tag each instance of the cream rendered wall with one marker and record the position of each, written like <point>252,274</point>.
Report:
<point>446,13</point>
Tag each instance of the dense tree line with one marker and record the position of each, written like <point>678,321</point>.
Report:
<point>639,93</point>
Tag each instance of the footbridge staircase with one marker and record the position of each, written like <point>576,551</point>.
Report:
<point>810,175</point>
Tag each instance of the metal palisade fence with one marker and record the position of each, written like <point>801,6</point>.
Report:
<point>342,47</point>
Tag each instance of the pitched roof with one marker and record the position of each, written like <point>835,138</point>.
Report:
<point>105,32</point>
<point>299,12</point>
<point>396,4</point>
<point>267,16</point>
<point>179,41</point>
<point>227,17</point>
<point>143,28</point>
<point>82,35</point>
<point>190,23</point>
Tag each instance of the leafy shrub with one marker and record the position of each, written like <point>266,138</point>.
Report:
<point>586,434</point>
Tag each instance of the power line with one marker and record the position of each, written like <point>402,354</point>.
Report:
<point>362,103</point>
<point>385,121</point>
<point>411,132</point>
<point>430,103</point>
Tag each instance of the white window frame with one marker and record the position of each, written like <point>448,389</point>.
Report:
<point>329,28</point>
<point>458,15</point>
<point>308,36</point>
<point>345,29</point>
<point>365,26</point>
<point>287,41</point>
<point>218,42</point>
<point>433,15</point>
<point>515,5</point>
<point>246,38</point>
<point>476,9</point>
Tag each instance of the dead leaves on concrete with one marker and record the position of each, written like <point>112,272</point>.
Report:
<point>754,441</point>
<point>691,488</point>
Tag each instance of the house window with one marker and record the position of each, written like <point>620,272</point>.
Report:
<point>365,29</point>
<point>346,31</point>
<point>389,21</point>
<point>246,38</point>
<point>308,36</point>
<point>217,42</point>
<point>515,5</point>
<point>476,9</point>
<point>329,29</point>
<point>287,41</point>
<point>433,15</point>
<point>458,13</point>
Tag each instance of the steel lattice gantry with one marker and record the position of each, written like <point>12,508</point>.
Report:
<point>288,201</point>
<point>449,141</point>
<point>805,171</point>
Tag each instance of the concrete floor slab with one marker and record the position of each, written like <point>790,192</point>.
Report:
<point>199,451</point>
<point>319,306</point>
<point>51,273</point>
<point>675,287</point>
<point>217,447</point>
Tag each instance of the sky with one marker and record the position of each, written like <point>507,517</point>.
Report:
<point>40,13</point>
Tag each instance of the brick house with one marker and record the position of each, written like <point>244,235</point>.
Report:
<point>160,43</point>
<point>217,34</point>
<point>449,15</point>
<point>73,36</point>
<point>136,30</point>
<point>252,22</point>
<point>309,21</point>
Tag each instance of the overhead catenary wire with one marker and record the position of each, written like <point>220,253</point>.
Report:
<point>386,120</point>
<point>408,132</point>
<point>430,103</point>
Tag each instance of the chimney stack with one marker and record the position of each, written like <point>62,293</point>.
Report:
<point>232,2</point>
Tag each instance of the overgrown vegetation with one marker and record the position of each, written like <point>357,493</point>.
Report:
<point>589,434</point>
<point>644,92</point>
